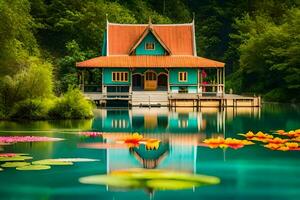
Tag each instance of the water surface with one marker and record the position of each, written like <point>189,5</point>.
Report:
<point>252,172</point>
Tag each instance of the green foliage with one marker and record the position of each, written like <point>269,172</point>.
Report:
<point>32,109</point>
<point>32,82</point>
<point>269,55</point>
<point>72,105</point>
<point>16,39</point>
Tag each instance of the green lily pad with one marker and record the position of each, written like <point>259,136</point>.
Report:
<point>15,158</point>
<point>51,162</point>
<point>118,182</point>
<point>15,164</point>
<point>75,159</point>
<point>171,184</point>
<point>33,167</point>
<point>151,179</point>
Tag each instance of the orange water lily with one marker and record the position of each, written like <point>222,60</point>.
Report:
<point>225,143</point>
<point>292,145</point>
<point>214,142</point>
<point>291,133</point>
<point>277,140</point>
<point>259,136</point>
<point>283,147</point>
<point>248,135</point>
<point>280,131</point>
<point>133,140</point>
<point>297,139</point>
<point>273,146</point>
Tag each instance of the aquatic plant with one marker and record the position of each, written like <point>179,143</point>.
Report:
<point>152,144</point>
<point>14,164</point>
<point>132,140</point>
<point>225,143</point>
<point>259,136</point>
<point>276,140</point>
<point>13,160</point>
<point>136,139</point>
<point>17,157</point>
<point>62,161</point>
<point>51,162</point>
<point>15,139</point>
<point>284,146</point>
<point>150,179</point>
<point>90,134</point>
<point>291,133</point>
<point>33,167</point>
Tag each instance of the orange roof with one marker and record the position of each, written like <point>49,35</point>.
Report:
<point>149,61</point>
<point>179,38</point>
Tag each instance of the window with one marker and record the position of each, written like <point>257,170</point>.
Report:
<point>182,76</point>
<point>119,76</point>
<point>150,76</point>
<point>149,46</point>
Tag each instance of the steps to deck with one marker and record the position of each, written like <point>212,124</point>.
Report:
<point>146,98</point>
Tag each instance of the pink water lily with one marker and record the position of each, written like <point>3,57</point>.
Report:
<point>14,139</point>
<point>91,134</point>
<point>7,154</point>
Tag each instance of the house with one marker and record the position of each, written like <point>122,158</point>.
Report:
<point>150,64</point>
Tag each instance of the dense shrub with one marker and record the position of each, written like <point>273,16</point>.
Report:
<point>72,105</point>
<point>32,109</point>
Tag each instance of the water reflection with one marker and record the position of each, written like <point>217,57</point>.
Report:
<point>180,131</point>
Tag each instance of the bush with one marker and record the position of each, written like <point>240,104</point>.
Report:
<point>72,105</point>
<point>32,109</point>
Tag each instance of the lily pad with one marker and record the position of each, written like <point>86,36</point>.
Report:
<point>171,184</point>
<point>15,158</point>
<point>75,159</point>
<point>33,167</point>
<point>14,139</point>
<point>51,162</point>
<point>15,164</point>
<point>150,179</point>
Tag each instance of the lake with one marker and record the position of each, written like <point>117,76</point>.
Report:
<point>251,172</point>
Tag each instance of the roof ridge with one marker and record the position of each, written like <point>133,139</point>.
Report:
<point>182,24</point>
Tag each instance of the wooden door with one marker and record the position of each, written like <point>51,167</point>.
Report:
<point>150,81</point>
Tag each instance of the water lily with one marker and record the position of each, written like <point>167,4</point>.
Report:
<point>273,146</point>
<point>150,179</point>
<point>283,147</point>
<point>277,140</point>
<point>152,144</point>
<point>15,139</point>
<point>248,135</point>
<point>91,134</point>
<point>291,133</point>
<point>292,145</point>
<point>259,136</point>
<point>225,143</point>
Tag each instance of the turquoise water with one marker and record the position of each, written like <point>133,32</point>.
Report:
<point>252,172</point>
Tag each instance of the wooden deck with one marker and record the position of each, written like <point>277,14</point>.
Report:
<point>165,99</point>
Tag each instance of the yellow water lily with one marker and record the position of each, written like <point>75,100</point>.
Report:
<point>277,140</point>
<point>152,144</point>
<point>292,145</point>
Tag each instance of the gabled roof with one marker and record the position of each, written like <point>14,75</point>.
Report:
<point>178,38</point>
<point>127,61</point>
<point>148,30</point>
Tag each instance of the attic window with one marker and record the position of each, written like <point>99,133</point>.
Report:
<point>149,46</point>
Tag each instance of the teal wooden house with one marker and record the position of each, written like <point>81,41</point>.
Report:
<point>150,64</point>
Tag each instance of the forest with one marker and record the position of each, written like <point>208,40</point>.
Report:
<point>259,40</point>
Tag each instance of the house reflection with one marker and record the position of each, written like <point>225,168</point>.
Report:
<point>179,131</point>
